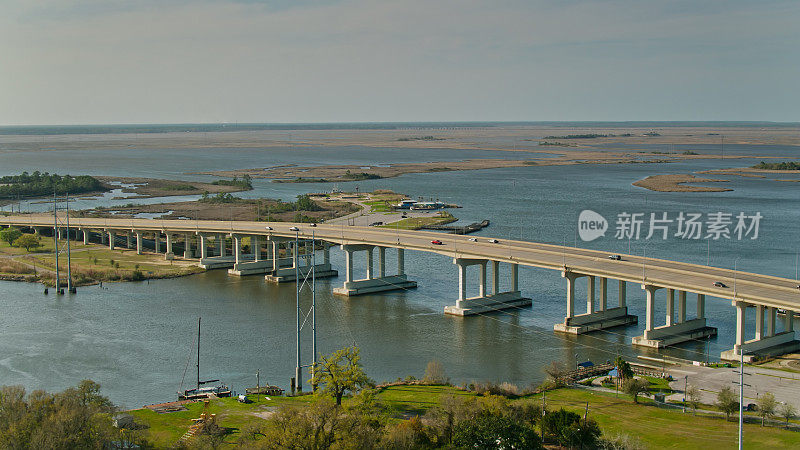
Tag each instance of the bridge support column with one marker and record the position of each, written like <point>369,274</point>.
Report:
<point>221,244</point>
<point>593,320</point>
<point>157,242</point>
<point>770,321</point>
<point>623,293</point>
<point>603,300</point>
<point>701,306</point>
<point>169,246</point>
<point>681,306</point>
<point>484,302</point>
<point>767,345</point>
<point>373,283</point>
<point>673,332</point>
<point>255,245</point>
<point>187,246</point>
<point>237,248</point>
<point>401,261</point>
<point>128,239</point>
<point>138,243</point>
<point>85,236</point>
<point>203,247</point>
<point>111,238</point>
<point>283,270</point>
<point>759,321</point>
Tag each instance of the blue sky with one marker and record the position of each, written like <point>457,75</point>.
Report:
<point>168,61</point>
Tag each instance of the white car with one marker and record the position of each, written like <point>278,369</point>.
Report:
<point>493,241</point>
<point>473,239</point>
<point>294,229</point>
<point>268,228</point>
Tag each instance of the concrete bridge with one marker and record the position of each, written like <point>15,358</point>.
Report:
<point>277,248</point>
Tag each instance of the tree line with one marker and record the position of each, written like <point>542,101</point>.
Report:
<point>40,184</point>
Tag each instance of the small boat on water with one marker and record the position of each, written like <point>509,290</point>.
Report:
<point>200,391</point>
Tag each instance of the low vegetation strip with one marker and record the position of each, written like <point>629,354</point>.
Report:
<point>786,165</point>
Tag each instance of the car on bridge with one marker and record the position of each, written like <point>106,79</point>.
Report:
<point>615,257</point>
<point>473,239</point>
<point>437,242</point>
<point>720,284</point>
<point>493,241</point>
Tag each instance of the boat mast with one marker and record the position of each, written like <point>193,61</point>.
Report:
<point>198,353</point>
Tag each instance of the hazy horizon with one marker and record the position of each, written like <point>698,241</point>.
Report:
<point>93,62</point>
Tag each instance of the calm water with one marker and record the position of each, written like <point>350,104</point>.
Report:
<point>134,338</point>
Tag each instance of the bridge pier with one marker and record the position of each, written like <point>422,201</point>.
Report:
<point>598,318</point>
<point>187,246</point>
<point>157,242</point>
<point>677,329</point>
<point>373,283</point>
<point>283,269</point>
<point>765,344</point>
<point>138,243</point>
<point>253,264</point>
<point>485,302</point>
<point>85,236</point>
<point>221,261</point>
<point>112,237</point>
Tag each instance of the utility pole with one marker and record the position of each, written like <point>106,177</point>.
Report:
<point>69,256</point>
<point>198,354</point>
<point>55,235</point>
<point>544,412</point>
<point>685,386</point>
<point>741,395</point>
<point>295,257</point>
<point>313,306</point>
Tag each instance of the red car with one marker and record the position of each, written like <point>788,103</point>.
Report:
<point>436,242</point>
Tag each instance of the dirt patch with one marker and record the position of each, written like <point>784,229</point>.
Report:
<point>676,183</point>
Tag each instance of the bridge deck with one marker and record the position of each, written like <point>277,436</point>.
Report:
<point>750,287</point>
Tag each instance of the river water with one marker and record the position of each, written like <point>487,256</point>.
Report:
<point>135,338</point>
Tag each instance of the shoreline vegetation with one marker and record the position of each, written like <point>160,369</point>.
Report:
<point>678,182</point>
<point>344,173</point>
<point>347,409</point>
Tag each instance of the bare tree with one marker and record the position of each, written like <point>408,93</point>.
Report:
<point>434,373</point>
<point>787,411</point>
<point>727,402</point>
<point>766,406</point>
<point>693,396</point>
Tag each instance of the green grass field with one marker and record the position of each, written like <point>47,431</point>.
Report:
<point>655,427</point>
<point>415,223</point>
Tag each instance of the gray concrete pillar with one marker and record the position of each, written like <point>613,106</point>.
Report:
<point>128,239</point>
<point>62,233</point>
<point>157,241</point>
<point>741,308</point>
<point>103,238</point>
<point>276,255</point>
<point>326,253</point>
<point>788,321</point>
<point>759,322</point>
<point>650,310</point>
<point>495,277</point>
<point>169,243</point>
<point>381,262</point>
<point>401,261</point>
<point>221,244</point>
<point>203,246</point>
<point>237,248</point>
<point>515,277</point>
<point>701,306</point>
<point>681,306</point>
<point>770,321</point>
<point>589,294</point>
<point>187,246</point>
<point>462,284</point>
<point>255,244</point>
<point>85,236</point>
<point>349,264</point>
<point>570,294</point>
<point>670,307</point>
<point>623,293</point>
<point>602,304</point>
<point>111,238</point>
<point>482,286</point>
<point>138,243</point>
<point>370,271</point>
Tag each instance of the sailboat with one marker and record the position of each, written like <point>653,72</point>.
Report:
<point>200,391</point>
